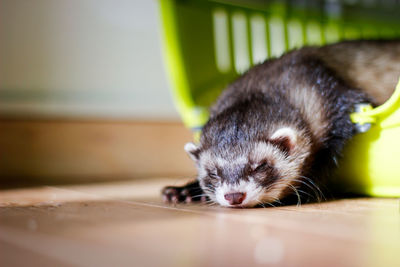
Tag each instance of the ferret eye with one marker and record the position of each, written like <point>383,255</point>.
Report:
<point>213,175</point>
<point>262,167</point>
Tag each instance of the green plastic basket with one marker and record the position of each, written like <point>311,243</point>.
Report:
<point>209,43</point>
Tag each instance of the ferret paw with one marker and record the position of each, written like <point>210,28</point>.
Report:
<point>182,194</point>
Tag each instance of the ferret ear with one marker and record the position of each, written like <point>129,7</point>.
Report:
<point>192,150</point>
<point>285,138</point>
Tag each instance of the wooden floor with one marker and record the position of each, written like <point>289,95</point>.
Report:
<point>126,224</point>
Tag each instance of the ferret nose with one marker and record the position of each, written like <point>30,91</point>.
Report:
<point>235,198</point>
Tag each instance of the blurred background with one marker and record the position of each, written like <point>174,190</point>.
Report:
<point>92,58</point>
<point>84,94</point>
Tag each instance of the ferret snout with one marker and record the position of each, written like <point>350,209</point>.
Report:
<point>235,198</point>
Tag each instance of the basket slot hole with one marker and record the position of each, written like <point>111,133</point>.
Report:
<point>332,33</point>
<point>221,40</point>
<point>240,42</point>
<point>277,36</point>
<point>295,34</point>
<point>313,31</point>
<point>368,31</point>
<point>351,32</point>
<point>259,38</point>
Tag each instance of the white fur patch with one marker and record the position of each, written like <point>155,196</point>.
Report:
<point>191,148</point>
<point>285,132</point>
<point>205,158</point>
<point>263,151</point>
<point>253,193</point>
<point>221,162</point>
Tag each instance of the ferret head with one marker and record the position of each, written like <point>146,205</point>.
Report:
<point>252,171</point>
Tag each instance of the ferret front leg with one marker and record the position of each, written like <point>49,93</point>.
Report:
<point>187,193</point>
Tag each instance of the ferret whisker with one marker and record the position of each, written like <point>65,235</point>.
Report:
<point>210,189</point>
<point>208,192</point>
<point>201,195</point>
<point>272,205</point>
<point>305,193</point>
<point>316,193</point>
<point>321,195</point>
<point>305,181</point>
<point>297,193</point>
<point>260,203</point>
<point>277,200</point>
<point>211,202</point>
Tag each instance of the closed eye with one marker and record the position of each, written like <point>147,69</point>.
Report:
<point>213,175</point>
<point>262,167</point>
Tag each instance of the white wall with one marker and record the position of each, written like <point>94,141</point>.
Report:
<point>82,58</point>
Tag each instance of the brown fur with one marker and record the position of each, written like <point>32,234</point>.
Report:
<point>372,66</point>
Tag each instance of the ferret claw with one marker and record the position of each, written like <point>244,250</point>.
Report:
<point>183,194</point>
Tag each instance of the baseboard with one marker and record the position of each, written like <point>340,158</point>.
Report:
<point>71,151</point>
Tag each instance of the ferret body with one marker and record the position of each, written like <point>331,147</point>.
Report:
<point>279,128</point>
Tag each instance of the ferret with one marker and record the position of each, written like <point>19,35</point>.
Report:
<point>279,129</point>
